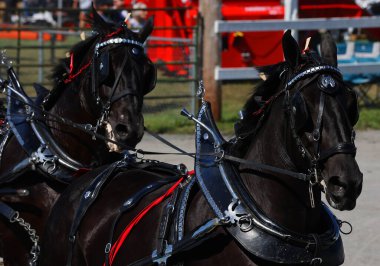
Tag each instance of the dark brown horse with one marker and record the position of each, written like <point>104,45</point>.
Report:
<point>92,114</point>
<point>295,142</point>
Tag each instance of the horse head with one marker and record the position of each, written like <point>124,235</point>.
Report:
<point>121,93</point>
<point>323,111</point>
<point>112,73</point>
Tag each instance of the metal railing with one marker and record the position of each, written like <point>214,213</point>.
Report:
<point>34,59</point>
<point>298,24</point>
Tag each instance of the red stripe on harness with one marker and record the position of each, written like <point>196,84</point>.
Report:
<point>116,246</point>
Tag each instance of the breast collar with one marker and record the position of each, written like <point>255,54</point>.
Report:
<point>222,186</point>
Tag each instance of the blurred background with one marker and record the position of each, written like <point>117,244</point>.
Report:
<point>37,33</point>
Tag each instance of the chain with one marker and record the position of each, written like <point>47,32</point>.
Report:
<point>35,250</point>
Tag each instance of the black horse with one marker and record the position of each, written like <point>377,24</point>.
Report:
<point>256,200</point>
<point>89,118</point>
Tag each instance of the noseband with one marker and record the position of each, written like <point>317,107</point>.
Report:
<point>328,86</point>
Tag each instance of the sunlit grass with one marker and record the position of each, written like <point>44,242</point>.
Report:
<point>369,118</point>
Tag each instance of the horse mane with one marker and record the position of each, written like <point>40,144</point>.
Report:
<point>254,109</point>
<point>264,89</point>
<point>267,88</point>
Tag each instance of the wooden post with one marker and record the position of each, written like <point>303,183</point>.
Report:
<point>210,10</point>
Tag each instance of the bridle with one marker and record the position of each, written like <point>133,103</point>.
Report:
<point>312,173</point>
<point>105,105</point>
<point>327,86</point>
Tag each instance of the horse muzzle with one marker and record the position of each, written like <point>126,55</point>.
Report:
<point>129,135</point>
<point>341,195</point>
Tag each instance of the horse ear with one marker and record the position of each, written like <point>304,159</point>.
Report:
<point>98,22</point>
<point>328,49</point>
<point>291,49</point>
<point>146,30</point>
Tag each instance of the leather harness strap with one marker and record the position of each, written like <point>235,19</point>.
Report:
<point>267,169</point>
<point>7,211</point>
<point>87,199</point>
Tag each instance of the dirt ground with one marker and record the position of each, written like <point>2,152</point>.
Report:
<point>362,246</point>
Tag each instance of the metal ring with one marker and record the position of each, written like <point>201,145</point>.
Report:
<point>243,227</point>
<point>350,228</point>
<point>316,261</point>
<point>218,159</point>
<point>139,154</point>
<point>88,127</point>
<point>15,217</point>
<point>107,248</point>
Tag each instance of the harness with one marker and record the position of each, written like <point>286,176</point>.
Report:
<point>234,208</point>
<point>232,204</point>
<point>34,137</point>
<point>172,173</point>
<point>44,154</point>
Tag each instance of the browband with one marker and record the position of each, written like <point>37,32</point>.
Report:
<point>311,71</point>
<point>117,41</point>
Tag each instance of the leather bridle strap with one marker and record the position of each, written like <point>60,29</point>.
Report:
<point>318,125</point>
<point>114,98</point>
<point>267,169</point>
<point>344,147</point>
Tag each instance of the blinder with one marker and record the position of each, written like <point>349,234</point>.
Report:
<point>150,77</point>
<point>353,109</point>
<point>104,67</point>
<point>300,111</point>
<point>149,72</point>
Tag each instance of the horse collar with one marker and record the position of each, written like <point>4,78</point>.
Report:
<point>43,151</point>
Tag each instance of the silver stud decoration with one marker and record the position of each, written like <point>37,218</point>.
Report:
<point>327,81</point>
<point>117,41</point>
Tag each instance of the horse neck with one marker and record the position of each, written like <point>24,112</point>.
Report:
<point>33,208</point>
<point>283,199</point>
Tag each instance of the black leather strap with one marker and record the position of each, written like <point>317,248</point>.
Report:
<point>166,220</point>
<point>344,147</point>
<point>267,169</point>
<point>88,197</point>
<point>318,125</point>
<point>128,205</point>
<point>7,211</point>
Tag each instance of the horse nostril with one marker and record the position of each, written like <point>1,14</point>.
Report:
<point>121,131</point>
<point>336,187</point>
